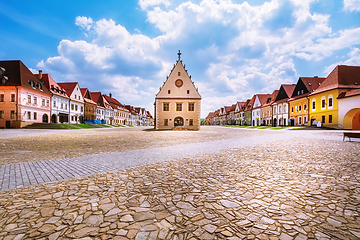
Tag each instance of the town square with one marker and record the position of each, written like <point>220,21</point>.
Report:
<point>180,120</point>
<point>228,183</point>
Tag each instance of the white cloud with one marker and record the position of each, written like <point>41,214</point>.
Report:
<point>149,3</point>
<point>354,60</point>
<point>352,5</point>
<point>84,22</point>
<point>234,50</point>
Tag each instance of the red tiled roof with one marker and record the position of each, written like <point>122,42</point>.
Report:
<point>352,92</point>
<point>68,86</point>
<point>95,96</point>
<point>113,102</point>
<point>217,113</point>
<point>51,84</point>
<point>312,83</point>
<point>341,77</point>
<point>19,75</point>
<point>249,106</point>
<point>289,88</point>
<point>263,98</point>
<point>211,115</point>
<point>271,98</point>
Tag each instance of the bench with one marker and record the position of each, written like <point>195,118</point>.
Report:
<point>351,135</point>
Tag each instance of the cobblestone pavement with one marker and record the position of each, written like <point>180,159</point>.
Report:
<point>297,188</point>
<point>25,174</point>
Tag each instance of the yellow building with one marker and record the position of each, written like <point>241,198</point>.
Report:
<point>299,101</point>
<point>177,104</point>
<point>324,103</point>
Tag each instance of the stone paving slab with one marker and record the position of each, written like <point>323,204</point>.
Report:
<point>276,190</point>
<point>34,173</point>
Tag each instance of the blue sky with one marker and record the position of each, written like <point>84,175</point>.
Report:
<point>232,48</point>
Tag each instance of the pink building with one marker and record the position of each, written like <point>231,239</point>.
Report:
<point>24,99</point>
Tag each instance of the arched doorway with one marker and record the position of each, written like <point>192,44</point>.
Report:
<point>53,118</point>
<point>178,121</point>
<point>352,119</point>
<point>45,118</point>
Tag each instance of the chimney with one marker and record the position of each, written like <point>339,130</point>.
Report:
<point>40,75</point>
<point>315,76</point>
<point>110,95</point>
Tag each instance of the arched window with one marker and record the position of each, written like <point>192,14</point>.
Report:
<point>330,101</point>
<point>313,101</point>
<point>323,103</point>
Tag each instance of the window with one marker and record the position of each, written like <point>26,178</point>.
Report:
<point>43,102</point>
<point>169,91</point>
<point>75,96</point>
<point>305,106</point>
<point>2,97</point>
<point>298,93</point>
<point>65,106</point>
<point>313,105</point>
<point>299,120</point>
<point>72,107</point>
<point>292,109</point>
<point>178,73</point>
<point>54,104</point>
<point>165,106</point>
<point>166,122</point>
<point>191,106</point>
<point>35,100</point>
<point>61,105</point>
<point>35,115</point>
<point>29,99</point>
<point>323,119</point>
<point>323,103</point>
<point>82,109</point>
<point>299,108</point>
<point>188,91</point>
<point>12,98</point>
<point>12,114</point>
<point>330,118</point>
<point>178,106</point>
<point>1,114</point>
<point>72,118</point>
<point>191,122</point>
<point>47,103</point>
<point>305,120</point>
<point>29,115</point>
<point>330,101</point>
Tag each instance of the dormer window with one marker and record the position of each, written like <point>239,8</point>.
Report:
<point>39,86</point>
<point>309,83</point>
<point>32,84</point>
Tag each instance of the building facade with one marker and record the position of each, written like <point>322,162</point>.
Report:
<point>178,103</point>
<point>24,99</point>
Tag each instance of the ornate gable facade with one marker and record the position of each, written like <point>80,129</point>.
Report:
<point>178,102</point>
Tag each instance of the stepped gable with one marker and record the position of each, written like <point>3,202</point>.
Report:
<point>341,77</point>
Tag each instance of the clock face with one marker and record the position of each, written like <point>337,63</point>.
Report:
<point>179,83</point>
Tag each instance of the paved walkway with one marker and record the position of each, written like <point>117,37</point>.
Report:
<point>34,173</point>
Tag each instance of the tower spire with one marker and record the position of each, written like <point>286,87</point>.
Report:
<point>179,54</point>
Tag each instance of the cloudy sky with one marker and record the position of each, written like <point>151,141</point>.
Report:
<point>232,48</point>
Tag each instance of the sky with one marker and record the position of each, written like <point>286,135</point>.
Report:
<point>233,49</point>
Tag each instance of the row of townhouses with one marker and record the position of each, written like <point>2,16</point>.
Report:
<point>27,98</point>
<point>332,102</point>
